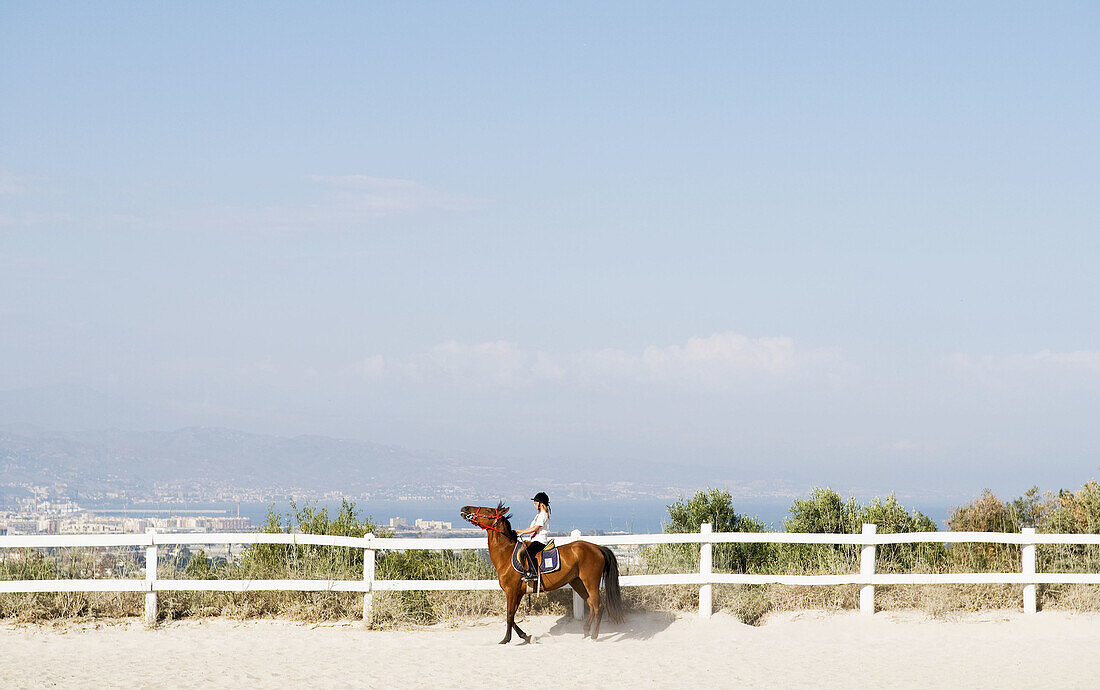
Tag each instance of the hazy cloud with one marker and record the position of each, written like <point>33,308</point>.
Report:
<point>343,200</point>
<point>368,195</point>
<point>12,184</point>
<point>373,367</point>
<point>337,200</point>
<point>27,219</point>
<point>716,359</point>
<point>493,363</point>
<point>1048,361</point>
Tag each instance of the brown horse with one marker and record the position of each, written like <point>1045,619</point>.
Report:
<point>582,565</point>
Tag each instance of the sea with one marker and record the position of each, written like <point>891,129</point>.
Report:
<point>637,516</point>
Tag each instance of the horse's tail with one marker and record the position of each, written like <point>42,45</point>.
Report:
<point>613,603</point>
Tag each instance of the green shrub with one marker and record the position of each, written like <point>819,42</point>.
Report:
<point>890,517</point>
<point>28,564</point>
<point>309,561</point>
<point>825,512</point>
<point>715,507</point>
<point>199,567</point>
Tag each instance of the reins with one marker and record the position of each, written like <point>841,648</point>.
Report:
<point>476,517</point>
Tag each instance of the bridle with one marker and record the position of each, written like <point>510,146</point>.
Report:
<point>476,516</point>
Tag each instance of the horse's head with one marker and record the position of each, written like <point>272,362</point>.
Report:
<point>495,519</point>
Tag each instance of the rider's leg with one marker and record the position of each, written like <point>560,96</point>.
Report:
<point>531,562</point>
<point>534,549</point>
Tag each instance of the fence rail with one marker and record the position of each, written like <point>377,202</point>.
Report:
<point>866,578</point>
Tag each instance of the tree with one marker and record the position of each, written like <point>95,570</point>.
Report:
<point>825,512</point>
<point>987,513</point>
<point>890,517</point>
<point>716,507</point>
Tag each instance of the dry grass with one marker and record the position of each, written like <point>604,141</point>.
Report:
<point>38,607</point>
<point>750,603</point>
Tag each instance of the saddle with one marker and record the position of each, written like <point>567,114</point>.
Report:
<point>548,561</point>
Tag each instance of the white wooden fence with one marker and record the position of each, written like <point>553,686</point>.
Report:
<point>866,578</point>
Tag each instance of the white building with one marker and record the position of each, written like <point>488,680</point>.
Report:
<point>432,525</point>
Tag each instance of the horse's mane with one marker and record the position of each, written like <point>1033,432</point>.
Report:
<point>505,515</point>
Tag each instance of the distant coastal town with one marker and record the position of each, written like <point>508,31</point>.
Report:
<point>82,507</point>
<point>37,514</point>
<point>70,518</point>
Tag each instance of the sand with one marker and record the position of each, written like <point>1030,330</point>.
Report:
<point>992,649</point>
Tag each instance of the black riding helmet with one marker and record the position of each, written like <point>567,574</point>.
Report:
<point>541,497</point>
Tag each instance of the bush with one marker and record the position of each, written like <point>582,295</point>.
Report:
<point>890,517</point>
<point>1073,512</point>
<point>199,567</point>
<point>308,561</point>
<point>825,512</point>
<point>987,513</point>
<point>716,507</point>
<point>278,561</point>
<point>28,565</point>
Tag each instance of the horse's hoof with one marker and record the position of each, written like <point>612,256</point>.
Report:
<point>526,639</point>
<point>504,641</point>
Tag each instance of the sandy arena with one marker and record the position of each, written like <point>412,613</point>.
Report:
<point>992,649</point>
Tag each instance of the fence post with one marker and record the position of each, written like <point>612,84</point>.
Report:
<point>1028,568</point>
<point>368,577</point>
<point>578,603</point>
<point>151,578</point>
<point>867,571</point>
<point>706,565</point>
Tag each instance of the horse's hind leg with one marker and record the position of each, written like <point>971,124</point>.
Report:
<point>592,622</point>
<point>578,587</point>
<point>597,610</point>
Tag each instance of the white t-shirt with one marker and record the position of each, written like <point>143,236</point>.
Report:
<point>542,521</point>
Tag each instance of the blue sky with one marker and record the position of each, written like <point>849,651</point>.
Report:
<point>845,243</point>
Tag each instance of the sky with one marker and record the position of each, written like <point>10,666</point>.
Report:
<point>851,244</point>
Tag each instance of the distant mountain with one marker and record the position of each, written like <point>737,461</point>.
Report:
<point>105,459</point>
<point>85,453</point>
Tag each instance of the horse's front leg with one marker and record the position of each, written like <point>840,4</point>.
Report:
<point>519,598</point>
<point>513,595</point>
